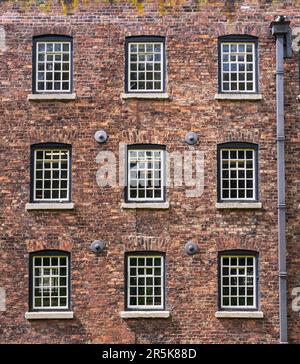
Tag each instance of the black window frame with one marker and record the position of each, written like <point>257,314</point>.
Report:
<point>146,146</point>
<point>238,38</point>
<point>239,252</point>
<point>49,252</point>
<point>49,145</point>
<point>145,39</point>
<point>51,38</point>
<point>238,145</point>
<point>126,274</point>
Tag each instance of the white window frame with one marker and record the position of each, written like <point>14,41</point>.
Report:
<point>34,266</point>
<point>69,52</point>
<point>254,71</point>
<point>162,286</point>
<point>254,177</point>
<point>162,171</point>
<point>162,80</point>
<point>68,160</point>
<point>254,277</point>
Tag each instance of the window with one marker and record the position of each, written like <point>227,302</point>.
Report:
<point>146,174</point>
<point>238,172</point>
<point>145,64</point>
<point>238,280</point>
<point>50,173</point>
<point>238,64</point>
<point>52,64</point>
<point>49,281</point>
<point>145,281</point>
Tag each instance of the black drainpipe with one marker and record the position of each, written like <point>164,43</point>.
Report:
<point>281,31</point>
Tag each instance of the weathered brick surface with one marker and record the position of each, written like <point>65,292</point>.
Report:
<point>98,281</point>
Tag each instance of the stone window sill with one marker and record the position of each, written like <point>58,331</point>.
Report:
<point>49,315</point>
<point>41,97</point>
<point>238,205</point>
<point>157,96</point>
<point>240,314</point>
<point>50,206</point>
<point>238,97</point>
<point>145,205</point>
<point>144,314</point>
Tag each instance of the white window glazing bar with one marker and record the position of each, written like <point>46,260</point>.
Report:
<point>55,54</point>
<point>145,62</point>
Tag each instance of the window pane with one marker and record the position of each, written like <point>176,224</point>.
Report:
<point>237,174</point>
<point>49,287</point>
<point>57,55</point>
<point>145,282</point>
<point>142,58</point>
<point>236,291</point>
<point>237,64</point>
<point>48,166</point>
<point>145,175</point>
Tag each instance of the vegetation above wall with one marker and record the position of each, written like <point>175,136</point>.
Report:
<point>68,7</point>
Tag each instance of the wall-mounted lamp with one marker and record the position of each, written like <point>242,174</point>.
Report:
<point>101,136</point>
<point>191,138</point>
<point>97,246</point>
<point>191,248</point>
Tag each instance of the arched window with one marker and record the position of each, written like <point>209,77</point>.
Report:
<point>49,280</point>
<point>52,64</point>
<point>238,64</point>
<point>237,172</point>
<point>238,280</point>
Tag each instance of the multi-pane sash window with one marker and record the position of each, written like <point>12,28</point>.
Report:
<point>146,174</point>
<point>238,65</point>
<point>50,280</point>
<point>145,64</point>
<point>238,172</point>
<point>53,64</point>
<point>145,281</point>
<point>51,173</point>
<point>238,281</point>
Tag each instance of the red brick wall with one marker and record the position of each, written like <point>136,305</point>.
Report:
<point>98,281</point>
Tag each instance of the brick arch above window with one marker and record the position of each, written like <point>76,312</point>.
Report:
<point>47,243</point>
<point>240,28</point>
<point>46,135</point>
<point>247,136</point>
<point>225,242</point>
<point>134,136</point>
<point>146,243</point>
